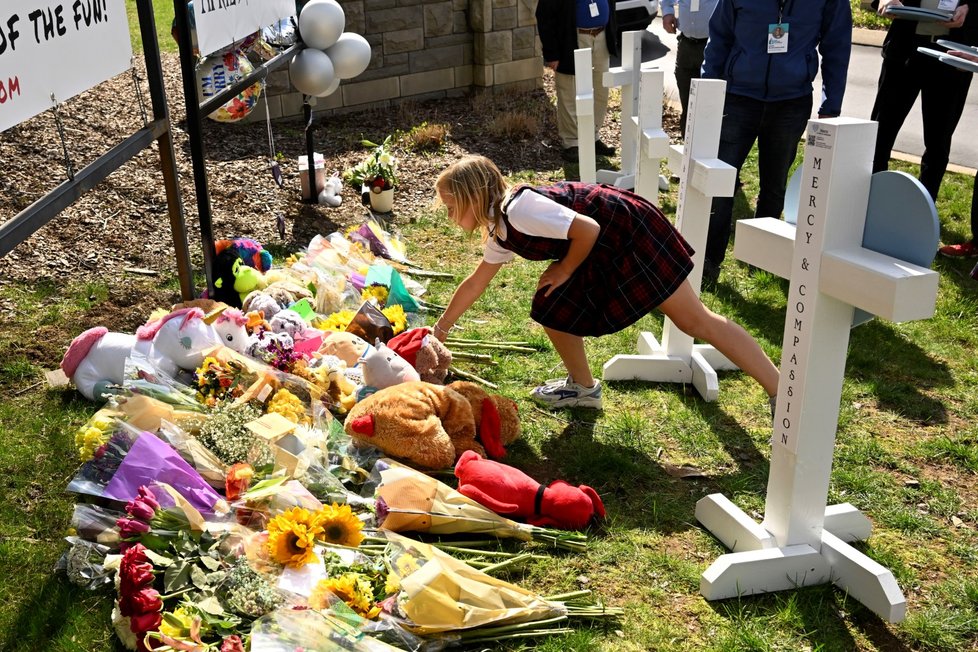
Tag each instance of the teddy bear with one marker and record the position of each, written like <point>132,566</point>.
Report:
<point>510,492</point>
<point>330,194</point>
<point>430,425</point>
<point>424,352</point>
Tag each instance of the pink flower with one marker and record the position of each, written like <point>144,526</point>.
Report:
<point>232,644</point>
<point>147,496</point>
<point>140,510</point>
<point>130,528</point>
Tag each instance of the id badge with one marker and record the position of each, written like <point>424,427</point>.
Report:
<point>593,8</point>
<point>777,38</point>
<point>947,5</point>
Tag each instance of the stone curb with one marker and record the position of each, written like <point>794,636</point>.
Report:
<point>871,37</point>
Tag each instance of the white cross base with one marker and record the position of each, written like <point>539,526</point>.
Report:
<point>702,177</point>
<point>801,541</point>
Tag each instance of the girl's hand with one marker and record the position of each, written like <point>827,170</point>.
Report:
<point>554,276</point>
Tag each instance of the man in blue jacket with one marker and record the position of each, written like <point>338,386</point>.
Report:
<point>766,52</point>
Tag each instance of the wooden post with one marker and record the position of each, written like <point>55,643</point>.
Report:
<point>801,541</point>
<point>702,177</point>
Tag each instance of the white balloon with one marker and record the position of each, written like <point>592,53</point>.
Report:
<point>332,87</point>
<point>311,71</point>
<point>350,55</point>
<point>321,22</point>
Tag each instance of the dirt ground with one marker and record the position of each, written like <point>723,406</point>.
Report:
<point>124,223</point>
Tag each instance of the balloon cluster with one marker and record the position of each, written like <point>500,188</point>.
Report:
<point>330,54</point>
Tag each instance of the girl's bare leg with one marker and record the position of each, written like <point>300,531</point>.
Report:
<point>687,312</point>
<point>570,348</point>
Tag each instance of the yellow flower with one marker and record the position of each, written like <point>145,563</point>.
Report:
<point>338,321</point>
<point>406,564</point>
<point>178,624</point>
<point>395,315</point>
<point>88,440</point>
<point>292,536</point>
<point>340,525</point>
<point>378,292</point>
<point>352,588</point>
<point>288,405</point>
<point>393,584</point>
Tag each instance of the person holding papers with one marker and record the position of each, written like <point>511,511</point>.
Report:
<point>906,73</point>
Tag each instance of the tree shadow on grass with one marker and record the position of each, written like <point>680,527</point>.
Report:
<point>826,617</point>
<point>897,370</point>
<point>641,488</point>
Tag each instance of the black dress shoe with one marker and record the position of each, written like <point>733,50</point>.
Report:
<point>602,149</point>
<point>569,154</point>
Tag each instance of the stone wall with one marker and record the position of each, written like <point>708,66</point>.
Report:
<point>426,49</point>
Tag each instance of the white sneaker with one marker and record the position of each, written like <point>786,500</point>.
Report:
<point>566,393</point>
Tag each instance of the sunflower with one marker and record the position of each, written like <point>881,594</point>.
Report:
<point>352,588</point>
<point>395,315</point>
<point>292,537</point>
<point>340,525</point>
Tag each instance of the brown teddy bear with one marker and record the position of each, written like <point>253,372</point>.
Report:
<point>431,425</point>
<point>424,352</point>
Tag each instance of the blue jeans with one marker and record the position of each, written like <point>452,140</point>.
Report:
<point>777,127</point>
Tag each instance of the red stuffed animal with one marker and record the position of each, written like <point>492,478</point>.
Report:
<point>512,493</point>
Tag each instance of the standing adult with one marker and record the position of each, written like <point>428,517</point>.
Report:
<point>694,32</point>
<point>768,53</point>
<point>905,74</point>
<point>564,26</point>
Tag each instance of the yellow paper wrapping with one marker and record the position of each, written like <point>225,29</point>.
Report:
<point>419,503</point>
<point>446,594</point>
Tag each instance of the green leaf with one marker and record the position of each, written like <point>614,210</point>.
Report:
<point>198,577</point>
<point>160,561</point>
<point>176,577</point>
<point>212,606</point>
<point>210,562</point>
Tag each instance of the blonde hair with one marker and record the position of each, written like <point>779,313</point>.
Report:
<point>474,182</point>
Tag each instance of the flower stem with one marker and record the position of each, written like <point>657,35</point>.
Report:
<point>467,376</point>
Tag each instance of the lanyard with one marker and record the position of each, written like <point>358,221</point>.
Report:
<point>781,4</point>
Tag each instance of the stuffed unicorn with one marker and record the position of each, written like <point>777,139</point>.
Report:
<point>97,358</point>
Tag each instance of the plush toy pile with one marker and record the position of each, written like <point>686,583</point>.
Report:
<point>249,441</point>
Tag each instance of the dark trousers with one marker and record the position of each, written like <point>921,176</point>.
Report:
<point>943,91</point>
<point>777,127</point>
<point>974,212</point>
<point>689,62</point>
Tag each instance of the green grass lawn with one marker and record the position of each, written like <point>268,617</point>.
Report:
<point>906,455</point>
<point>163,10</point>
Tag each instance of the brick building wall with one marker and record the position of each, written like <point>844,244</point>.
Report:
<point>426,49</point>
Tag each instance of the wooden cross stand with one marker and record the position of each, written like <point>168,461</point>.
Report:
<point>702,176</point>
<point>801,541</point>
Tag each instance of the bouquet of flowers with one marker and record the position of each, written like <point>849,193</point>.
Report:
<point>378,171</point>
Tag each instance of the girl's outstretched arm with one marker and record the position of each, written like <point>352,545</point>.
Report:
<point>467,292</point>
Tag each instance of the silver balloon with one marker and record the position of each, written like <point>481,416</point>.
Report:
<point>311,72</point>
<point>332,88</point>
<point>350,55</point>
<point>321,22</point>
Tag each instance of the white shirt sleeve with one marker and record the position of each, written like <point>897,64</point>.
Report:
<point>533,214</point>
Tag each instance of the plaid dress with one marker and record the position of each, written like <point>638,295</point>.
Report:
<point>637,262</point>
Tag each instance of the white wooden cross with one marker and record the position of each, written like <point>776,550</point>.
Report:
<point>702,176</point>
<point>801,541</point>
<point>625,76</point>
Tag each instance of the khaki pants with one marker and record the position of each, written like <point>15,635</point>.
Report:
<point>567,91</point>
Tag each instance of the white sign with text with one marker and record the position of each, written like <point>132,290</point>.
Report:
<point>51,48</point>
<point>222,22</point>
